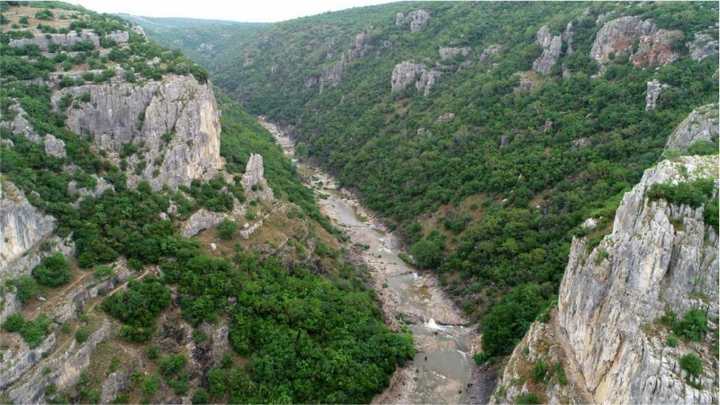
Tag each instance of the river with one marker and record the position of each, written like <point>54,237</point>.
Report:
<point>443,371</point>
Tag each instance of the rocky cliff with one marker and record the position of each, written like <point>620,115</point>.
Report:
<point>172,123</point>
<point>639,39</point>
<point>606,343</point>
<point>23,228</point>
<point>700,125</point>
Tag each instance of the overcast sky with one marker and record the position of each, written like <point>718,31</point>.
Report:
<point>238,10</point>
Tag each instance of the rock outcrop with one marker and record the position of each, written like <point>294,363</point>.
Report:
<point>700,125</point>
<point>449,53</point>
<point>551,46</point>
<point>416,19</point>
<point>659,255</point>
<point>489,52</point>
<point>54,146</point>
<point>654,89</point>
<point>23,228</point>
<point>201,220</point>
<point>173,123</point>
<point>407,73</point>
<point>43,41</point>
<point>253,180</point>
<point>618,37</point>
<point>702,46</point>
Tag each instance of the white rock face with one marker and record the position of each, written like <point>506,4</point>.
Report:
<point>54,146</point>
<point>120,37</point>
<point>654,89</point>
<point>253,180</point>
<point>407,73</point>
<point>23,227</point>
<point>200,220</point>
<point>176,108</point>
<point>702,46</point>
<point>700,125</point>
<point>43,41</point>
<point>552,46</point>
<point>416,19</point>
<point>20,125</point>
<point>617,37</point>
<point>605,331</point>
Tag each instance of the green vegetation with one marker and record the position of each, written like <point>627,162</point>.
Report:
<point>693,326</point>
<point>53,271</point>
<point>26,288</point>
<point>532,192</point>
<point>32,331</point>
<point>695,193</point>
<point>527,399</point>
<point>226,229</point>
<point>540,371</point>
<point>692,364</point>
<point>138,307</point>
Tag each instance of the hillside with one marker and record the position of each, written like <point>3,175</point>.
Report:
<point>157,246</point>
<point>487,133</point>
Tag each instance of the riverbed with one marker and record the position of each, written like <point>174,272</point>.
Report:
<point>443,370</point>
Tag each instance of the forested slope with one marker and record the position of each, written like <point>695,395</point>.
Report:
<point>487,132</point>
<point>157,246</point>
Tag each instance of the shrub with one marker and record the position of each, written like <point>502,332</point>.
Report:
<point>53,271</point>
<point>539,371</point>
<point>703,148</point>
<point>226,229</point>
<point>137,307</point>
<point>103,272</point>
<point>82,334</point>
<point>527,399</point>
<point>429,252</point>
<point>172,365</point>
<point>672,341</point>
<point>26,288</point>
<point>33,332</point>
<point>44,15</point>
<point>201,396</point>
<point>692,364</point>
<point>694,193</point>
<point>693,326</point>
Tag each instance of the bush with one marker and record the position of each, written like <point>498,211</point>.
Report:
<point>694,193</point>
<point>26,288</point>
<point>103,272</point>
<point>692,364</point>
<point>693,326</point>
<point>33,332</point>
<point>429,252</point>
<point>703,148</point>
<point>226,229</point>
<point>539,372</point>
<point>53,271</point>
<point>508,320</point>
<point>172,365</point>
<point>672,341</point>
<point>201,396</point>
<point>138,307</point>
<point>44,15</point>
<point>527,399</point>
<point>82,334</point>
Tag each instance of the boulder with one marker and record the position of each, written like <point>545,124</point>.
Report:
<point>700,125</point>
<point>200,220</point>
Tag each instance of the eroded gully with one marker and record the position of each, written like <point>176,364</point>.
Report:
<point>443,371</point>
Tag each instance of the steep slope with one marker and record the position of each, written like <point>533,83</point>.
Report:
<point>487,132</point>
<point>634,309</point>
<point>157,245</point>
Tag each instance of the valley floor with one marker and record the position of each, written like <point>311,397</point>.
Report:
<point>443,370</point>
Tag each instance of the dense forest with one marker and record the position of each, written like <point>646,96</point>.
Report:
<point>489,173</point>
<point>303,328</point>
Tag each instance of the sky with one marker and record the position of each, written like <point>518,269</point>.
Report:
<point>237,10</point>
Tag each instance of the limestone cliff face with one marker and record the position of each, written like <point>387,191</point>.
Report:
<point>659,255</point>
<point>416,20</point>
<point>407,73</point>
<point>653,92</point>
<point>700,125</point>
<point>551,46</point>
<point>173,123</point>
<point>253,179</point>
<point>23,228</point>
<point>619,37</point>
